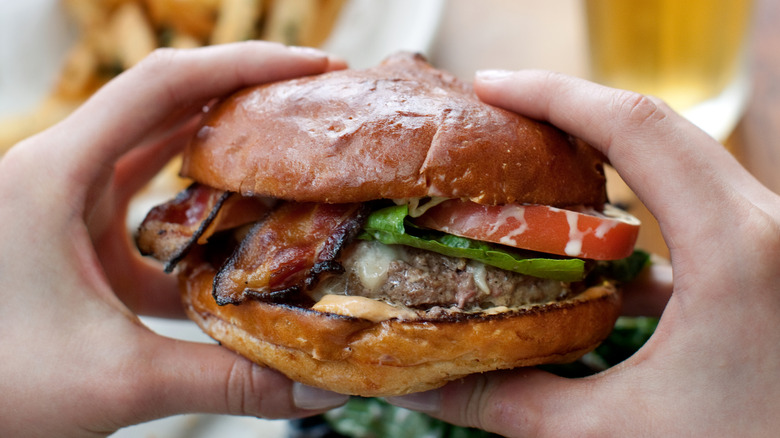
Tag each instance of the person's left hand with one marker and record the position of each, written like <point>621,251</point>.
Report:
<point>76,359</point>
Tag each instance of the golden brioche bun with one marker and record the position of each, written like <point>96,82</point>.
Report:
<point>401,129</point>
<point>392,357</point>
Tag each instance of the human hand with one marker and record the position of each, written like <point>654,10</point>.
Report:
<point>711,367</point>
<point>76,359</point>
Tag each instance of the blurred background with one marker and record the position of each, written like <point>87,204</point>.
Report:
<point>715,61</point>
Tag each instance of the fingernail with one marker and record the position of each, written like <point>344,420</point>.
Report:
<point>309,397</point>
<point>493,75</point>
<point>428,401</point>
<point>308,51</point>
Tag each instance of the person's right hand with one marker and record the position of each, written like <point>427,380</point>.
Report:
<point>712,366</point>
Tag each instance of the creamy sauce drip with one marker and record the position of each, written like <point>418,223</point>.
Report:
<point>378,311</point>
<point>516,212</point>
<point>574,245</point>
<point>362,307</point>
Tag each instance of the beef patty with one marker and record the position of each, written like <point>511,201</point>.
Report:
<point>423,280</point>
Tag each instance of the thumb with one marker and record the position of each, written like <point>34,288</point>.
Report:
<point>186,377</point>
<point>520,403</point>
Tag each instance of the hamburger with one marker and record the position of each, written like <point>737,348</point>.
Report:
<point>382,231</point>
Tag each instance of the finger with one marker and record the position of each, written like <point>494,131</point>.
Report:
<point>524,403</point>
<point>142,286</point>
<point>656,151</point>
<point>336,63</point>
<point>120,115</point>
<point>628,127</point>
<point>138,166</point>
<point>139,283</point>
<point>111,193</point>
<point>183,377</point>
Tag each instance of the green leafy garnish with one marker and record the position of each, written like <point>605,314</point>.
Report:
<point>624,270</point>
<point>390,226</point>
<point>375,418</point>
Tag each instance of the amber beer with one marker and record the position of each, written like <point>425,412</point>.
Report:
<point>685,51</point>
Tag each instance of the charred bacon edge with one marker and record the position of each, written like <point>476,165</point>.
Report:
<point>171,264</point>
<point>291,296</point>
<point>186,239</point>
<point>322,264</point>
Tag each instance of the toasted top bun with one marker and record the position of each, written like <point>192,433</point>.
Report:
<point>399,130</point>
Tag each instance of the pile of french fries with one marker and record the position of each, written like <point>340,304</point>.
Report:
<point>113,35</point>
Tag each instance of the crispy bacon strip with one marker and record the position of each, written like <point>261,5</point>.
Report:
<point>171,229</point>
<point>289,251</point>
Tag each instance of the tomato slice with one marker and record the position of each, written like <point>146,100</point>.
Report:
<point>584,233</point>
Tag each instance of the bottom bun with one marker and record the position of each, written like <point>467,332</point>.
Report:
<point>393,357</point>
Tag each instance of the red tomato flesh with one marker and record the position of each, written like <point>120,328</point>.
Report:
<point>586,233</point>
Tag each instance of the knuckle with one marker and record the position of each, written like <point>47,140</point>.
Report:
<point>552,76</point>
<point>254,390</point>
<point>475,411</point>
<point>238,389</point>
<point>638,110</point>
<point>159,60</point>
<point>162,67</point>
<point>632,116</point>
<point>487,408</point>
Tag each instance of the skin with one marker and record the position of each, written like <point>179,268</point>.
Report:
<point>711,367</point>
<point>76,359</point>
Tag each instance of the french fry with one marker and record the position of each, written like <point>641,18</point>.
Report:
<point>288,19</point>
<point>88,13</point>
<point>301,22</point>
<point>180,40</point>
<point>92,18</point>
<point>79,73</point>
<point>326,18</point>
<point>191,17</point>
<point>132,34</point>
<point>236,21</point>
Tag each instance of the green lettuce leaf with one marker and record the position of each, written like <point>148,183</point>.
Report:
<point>389,226</point>
<point>624,270</point>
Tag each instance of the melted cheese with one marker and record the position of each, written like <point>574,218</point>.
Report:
<point>479,273</point>
<point>371,263</point>
<point>362,307</point>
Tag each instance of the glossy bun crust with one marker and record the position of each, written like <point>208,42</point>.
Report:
<point>393,357</point>
<point>398,130</point>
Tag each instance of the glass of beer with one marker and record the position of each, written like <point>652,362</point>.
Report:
<point>691,53</point>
